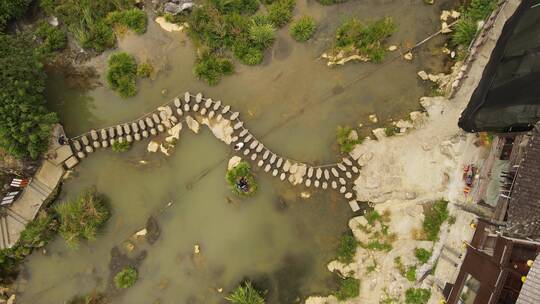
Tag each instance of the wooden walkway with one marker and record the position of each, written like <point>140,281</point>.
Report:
<point>339,176</point>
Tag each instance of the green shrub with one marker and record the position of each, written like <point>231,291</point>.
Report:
<point>241,171</point>
<point>262,35</point>
<point>366,39</point>
<point>145,69</point>
<point>422,255</point>
<point>211,68</point>
<point>81,218</point>
<point>52,38</point>
<point>391,131</point>
<point>126,278</point>
<point>25,122</point>
<point>121,146</point>
<point>248,55</point>
<point>347,249</point>
<point>349,288</point>
<point>280,12</point>
<point>466,27</point>
<point>330,2</point>
<point>303,29</point>
<point>417,296</point>
<point>434,217</point>
<point>346,144</point>
<point>134,19</point>
<point>122,74</point>
<point>410,274</point>
<point>377,245</point>
<point>12,9</point>
<point>245,294</point>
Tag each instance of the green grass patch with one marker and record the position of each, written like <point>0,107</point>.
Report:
<point>348,288</point>
<point>241,175</point>
<point>377,245</point>
<point>122,74</point>
<point>467,26</point>
<point>81,218</point>
<point>145,69</point>
<point>126,278</point>
<point>121,146</point>
<point>417,296</point>
<point>51,39</point>
<point>303,29</point>
<point>410,274</point>
<point>364,39</point>
<point>422,255</point>
<point>347,249</point>
<point>331,2</point>
<point>434,217</point>
<point>344,140</point>
<point>245,294</point>
<point>391,131</point>
<point>211,68</point>
<point>134,19</point>
<point>280,12</point>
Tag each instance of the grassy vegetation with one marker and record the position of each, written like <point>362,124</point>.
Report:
<point>422,255</point>
<point>122,74</point>
<point>145,69</point>
<point>378,245</point>
<point>380,239</point>
<point>391,131</point>
<point>366,40</point>
<point>434,217</point>
<point>12,9</point>
<point>330,2</point>
<point>126,278</point>
<point>348,288</point>
<point>121,146</point>
<point>239,172</point>
<point>51,39</point>
<point>89,21</point>
<point>221,27</point>
<point>417,296</point>
<point>303,28</point>
<point>81,218</point>
<point>134,19</point>
<point>91,298</point>
<point>347,249</point>
<point>467,26</point>
<point>35,235</point>
<point>245,294</point>
<point>344,140</point>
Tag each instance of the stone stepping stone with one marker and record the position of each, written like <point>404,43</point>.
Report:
<point>347,161</point>
<point>317,184</point>
<point>196,107</point>
<point>186,107</point>
<point>342,189</point>
<point>84,140</point>
<point>282,176</point>
<point>308,182</point>
<point>177,102</point>
<point>266,154</point>
<point>129,138</point>
<point>112,141</point>
<point>77,145</point>
<point>142,125</point>
<point>286,166</point>
<point>155,118</point>
<point>137,136</point>
<point>160,128</point>
<point>260,147</point>
<point>248,138</point>
<point>173,119</point>
<point>134,127</point>
<point>96,144</point>
<point>153,131</point>
<point>162,116</point>
<point>355,169</point>
<point>260,163</point>
<point>243,133</point>
<point>324,185</point>
<point>208,103</point>
<point>217,104</point>
<point>149,122</point>
<point>103,133</point>
<point>254,156</point>
<point>275,172</point>
<point>294,168</point>
<point>354,205</point>
<point>334,185</point>
<point>211,114</point>
<point>145,134</point>
<point>89,149</point>
<point>120,139</point>
<point>318,174</point>
<point>310,172</point>
<point>179,112</point>
<point>203,111</point>
<point>127,130</point>
<point>234,139</point>
<point>348,195</point>
<point>342,167</point>
<point>335,173</point>
<point>104,144</point>
<point>119,130</point>
<point>267,168</point>
<point>225,109</point>
<point>81,155</point>
<point>198,98</point>
<point>187,97</point>
<point>348,175</point>
<point>246,152</point>
<point>234,115</point>
<point>273,158</point>
<point>253,144</point>
<point>326,174</point>
<point>94,135</point>
<point>279,162</point>
<point>238,125</point>
<point>342,181</point>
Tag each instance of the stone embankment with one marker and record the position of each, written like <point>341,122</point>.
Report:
<point>226,125</point>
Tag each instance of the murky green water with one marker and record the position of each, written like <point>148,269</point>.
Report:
<point>293,102</point>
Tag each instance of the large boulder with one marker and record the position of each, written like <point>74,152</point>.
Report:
<point>177,6</point>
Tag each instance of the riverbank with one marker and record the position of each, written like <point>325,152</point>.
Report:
<point>404,174</point>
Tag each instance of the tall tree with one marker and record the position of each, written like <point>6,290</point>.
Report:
<point>25,122</point>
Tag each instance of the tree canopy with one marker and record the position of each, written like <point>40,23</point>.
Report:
<point>25,122</point>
